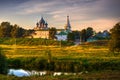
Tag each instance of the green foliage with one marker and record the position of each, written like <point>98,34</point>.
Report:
<point>83,35</point>
<point>52,33</point>
<point>70,37</point>
<point>86,33</point>
<point>17,31</point>
<point>3,63</point>
<point>7,30</point>
<point>115,38</point>
<point>89,32</point>
<point>28,32</point>
<point>33,41</point>
<point>65,65</point>
<point>98,43</point>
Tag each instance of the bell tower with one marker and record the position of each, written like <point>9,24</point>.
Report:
<point>68,26</point>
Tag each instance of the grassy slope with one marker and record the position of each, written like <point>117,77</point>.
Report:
<point>59,52</point>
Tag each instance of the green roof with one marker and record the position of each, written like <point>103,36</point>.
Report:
<point>62,33</point>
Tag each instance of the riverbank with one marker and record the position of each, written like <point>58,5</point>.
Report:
<point>101,75</point>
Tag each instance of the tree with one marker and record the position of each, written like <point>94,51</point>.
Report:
<point>83,35</point>
<point>17,31</point>
<point>52,33</point>
<point>28,32</point>
<point>5,29</point>
<point>114,44</point>
<point>14,32</point>
<point>89,32</point>
<point>71,37</point>
<point>3,63</point>
<point>86,33</point>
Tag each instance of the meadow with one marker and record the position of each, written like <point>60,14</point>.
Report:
<point>61,58</point>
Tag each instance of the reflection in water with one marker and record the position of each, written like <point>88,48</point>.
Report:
<point>22,73</point>
<point>18,73</point>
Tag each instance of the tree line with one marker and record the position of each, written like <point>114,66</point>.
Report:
<point>14,31</point>
<point>113,40</point>
<point>84,34</point>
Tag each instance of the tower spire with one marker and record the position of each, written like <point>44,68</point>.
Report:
<point>68,26</point>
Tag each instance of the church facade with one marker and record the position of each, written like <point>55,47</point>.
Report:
<point>41,30</point>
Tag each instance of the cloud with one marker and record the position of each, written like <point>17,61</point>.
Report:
<point>34,7</point>
<point>98,25</point>
<point>40,6</point>
<point>82,12</point>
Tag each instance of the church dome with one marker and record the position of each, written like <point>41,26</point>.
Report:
<point>42,20</point>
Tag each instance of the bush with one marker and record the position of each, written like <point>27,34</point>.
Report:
<point>65,65</point>
<point>3,63</point>
<point>33,41</point>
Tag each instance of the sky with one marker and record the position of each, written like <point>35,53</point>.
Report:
<point>98,14</point>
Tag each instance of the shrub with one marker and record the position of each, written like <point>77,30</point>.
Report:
<point>3,63</point>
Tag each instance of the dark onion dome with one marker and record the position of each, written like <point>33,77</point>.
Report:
<point>37,24</point>
<point>46,23</point>
<point>42,20</point>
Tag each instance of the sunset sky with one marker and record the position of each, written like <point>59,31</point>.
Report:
<point>99,14</point>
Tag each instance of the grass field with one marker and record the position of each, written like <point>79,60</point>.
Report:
<point>12,51</point>
<point>66,58</point>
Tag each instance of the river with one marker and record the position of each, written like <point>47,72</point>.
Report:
<point>27,73</point>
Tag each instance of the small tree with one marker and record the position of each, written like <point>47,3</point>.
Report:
<point>71,37</point>
<point>52,33</point>
<point>83,35</point>
<point>114,44</point>
<point>89,32</point>
<point>3,63</point>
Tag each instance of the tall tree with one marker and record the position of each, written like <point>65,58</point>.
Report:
<point>83,35</point>
<point>89,32</point>
<point>115,38</point>
<point>28,32</point>
<point>71,37</point>
<point>5,29</point>
<point>52,33</point>
<point>17,31</point>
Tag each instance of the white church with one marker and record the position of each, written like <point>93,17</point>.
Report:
<point>42,30</point>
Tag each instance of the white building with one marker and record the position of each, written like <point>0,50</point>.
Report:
<point>63,34</point>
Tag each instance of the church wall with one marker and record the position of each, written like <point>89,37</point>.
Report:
<point>41,34</point>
